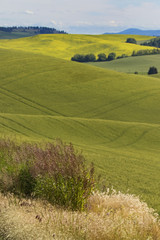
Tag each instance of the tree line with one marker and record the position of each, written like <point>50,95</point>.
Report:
<point>146,52</point>
<point>35,30</point>
<point>92,58</point>
<point>112,56</point>
<point>153,42</point>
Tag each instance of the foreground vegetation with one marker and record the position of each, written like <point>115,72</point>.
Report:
<point>53,172</point>
<point>108,216</point>
<point>74,209</point>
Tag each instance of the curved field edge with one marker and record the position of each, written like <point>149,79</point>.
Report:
<point>140,64</point>
<point>64,46</point>
<point>98,132</point>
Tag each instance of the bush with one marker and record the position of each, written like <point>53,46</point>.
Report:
<point>55,172</point>
<point>78,58</point>
<point>131,40</point>
<point>102,57</point>
<point>111,56</point>
<point>90,58</point>
<point>152,70</point>
<point>25,181</point>
<point>146,52</point>
<point>122,56</point>
<point>84,58</point>
<point>153,42</point>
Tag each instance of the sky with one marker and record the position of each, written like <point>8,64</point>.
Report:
<point>82,16</point>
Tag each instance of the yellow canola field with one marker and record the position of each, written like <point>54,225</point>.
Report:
<point>66,45</point>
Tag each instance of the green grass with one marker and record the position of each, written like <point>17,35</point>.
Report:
<point>140,64</point>
<point>66,45</point>
<point>14,35</point>
<point>114,117</point>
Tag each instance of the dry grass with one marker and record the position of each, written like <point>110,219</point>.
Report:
<point>114,216</point>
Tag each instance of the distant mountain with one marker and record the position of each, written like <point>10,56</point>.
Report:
<point>136,31</point>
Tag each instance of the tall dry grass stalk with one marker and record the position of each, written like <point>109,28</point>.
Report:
<point>114,216</point>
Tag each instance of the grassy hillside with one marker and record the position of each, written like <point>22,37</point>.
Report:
<point>113,116</point>
<point>140,64</point>
<point>45,85</point>
<point>14,35</point>
<point>66,45</point>
<point>21,32</point>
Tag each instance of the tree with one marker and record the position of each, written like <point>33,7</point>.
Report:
<point>111,56</point>
<point>131,40</point>
<point>102,57</point>
<point>90,58</point>
<point>153,42</point>
<point>84,58</point>
<point>152,70</point>
<point>134,53</point>
<point>78,58</point>
<point>122,56</point>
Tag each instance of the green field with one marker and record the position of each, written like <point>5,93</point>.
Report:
<point>14,35</point>
<point>66,45</point>
<point>140,64</point>
<point>114,117</point>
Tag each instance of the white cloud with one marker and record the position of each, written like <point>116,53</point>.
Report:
<point>29,12</point>
<point>111,14</point>
<point>113,23</point>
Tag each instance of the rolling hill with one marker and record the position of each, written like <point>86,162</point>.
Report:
<point>64,46</point>
<point>21,32</point>
<point>114,117</point>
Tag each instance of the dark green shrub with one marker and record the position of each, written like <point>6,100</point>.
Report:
<point>69,192</point>
<point>131,40</point>
<point>152,70</point>
<point>90,58</point>
<point>111,56</point>
<point>78,58</point>
<point>122,56</point>
<point>84,58</point>
<point>63,179</point>
<point>153,42</point>
<point>134,53</point>
<point>102,57</point>
<point>25,181</point>
<point>146,52</point>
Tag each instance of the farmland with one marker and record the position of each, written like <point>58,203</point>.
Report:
<point>64,46</point>
<point>113,117</point>
<point>140,64</point>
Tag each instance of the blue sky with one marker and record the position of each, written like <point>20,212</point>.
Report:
<point>82,16</point>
